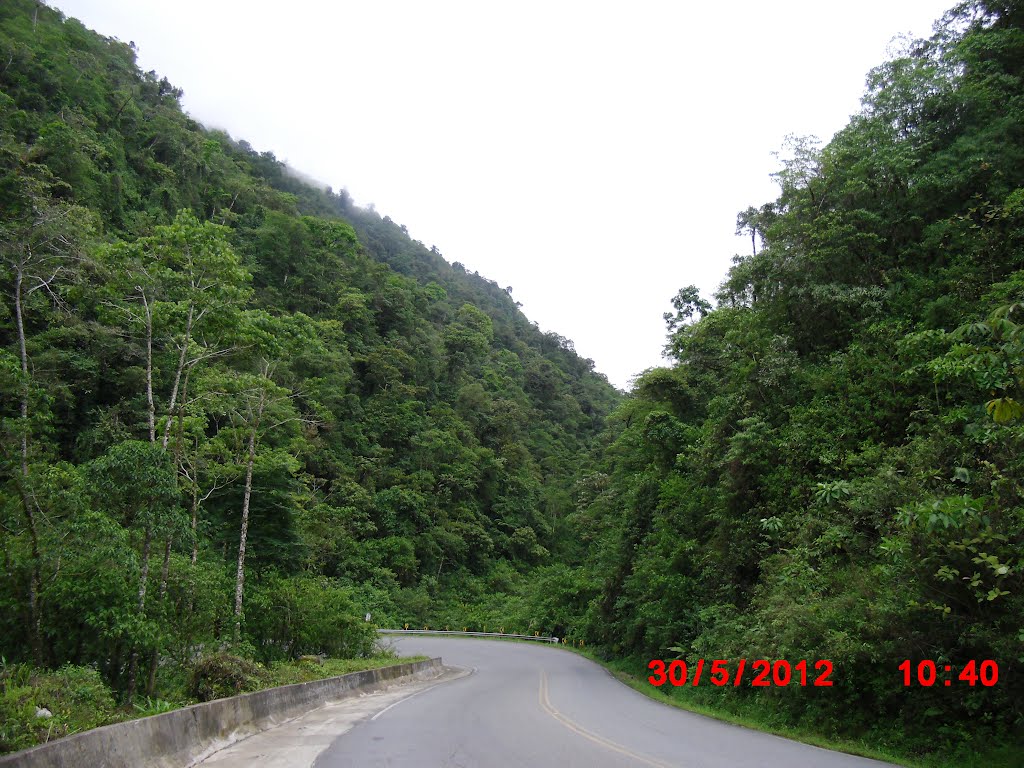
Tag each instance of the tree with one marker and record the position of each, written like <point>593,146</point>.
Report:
<point>687,303</point>
<point>40,248</point>
<point>467,339</point>
<point>136,482</point>
<point>746,222</point>
<point>259,406</point>
<point>186,283</point>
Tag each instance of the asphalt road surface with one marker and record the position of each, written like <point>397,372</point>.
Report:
<point>536,706</point>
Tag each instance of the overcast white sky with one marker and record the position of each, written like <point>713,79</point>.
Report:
<point>592,155</point>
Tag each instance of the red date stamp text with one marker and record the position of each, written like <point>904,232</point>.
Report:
<point>759,673</point>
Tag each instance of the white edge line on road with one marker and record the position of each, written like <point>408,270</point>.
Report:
<point>411,696</point>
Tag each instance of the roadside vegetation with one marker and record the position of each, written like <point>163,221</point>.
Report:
<point>76,699</point>
<point>721,704</point>
<point>831,469</point>
<point>239,413</point>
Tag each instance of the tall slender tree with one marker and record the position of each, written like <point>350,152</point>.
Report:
<point>40,249</point>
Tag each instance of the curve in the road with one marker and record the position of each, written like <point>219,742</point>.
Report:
<point>545,704</point>
<point>536,706</point>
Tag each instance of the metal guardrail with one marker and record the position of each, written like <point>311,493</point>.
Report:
<point>466,634</point>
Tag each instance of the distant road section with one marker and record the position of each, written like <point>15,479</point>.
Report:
<point>536,706</point>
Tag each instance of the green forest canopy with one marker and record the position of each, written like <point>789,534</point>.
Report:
<point>222,384</point>
<point>226,389</point>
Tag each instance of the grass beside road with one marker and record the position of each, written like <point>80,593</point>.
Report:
<point>78,699</point>
<point>307,670</point>
<point>751,713</point>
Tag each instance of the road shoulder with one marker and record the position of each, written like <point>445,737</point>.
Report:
<point>296,743</point>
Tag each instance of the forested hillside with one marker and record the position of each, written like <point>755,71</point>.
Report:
<point>832,468</point>
<point>239,411</point>
<point>236,409</point>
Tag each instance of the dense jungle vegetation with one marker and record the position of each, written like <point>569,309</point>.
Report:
<point>226,392</point>
<point>832,468</point>
<point>238,411</point>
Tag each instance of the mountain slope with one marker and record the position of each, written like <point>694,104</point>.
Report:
<point>226,390</point>
<point>832,469</point>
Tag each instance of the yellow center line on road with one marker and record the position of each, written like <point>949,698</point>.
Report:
<point>545,704</point>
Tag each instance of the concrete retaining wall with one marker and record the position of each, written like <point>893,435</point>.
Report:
<point>183,737</point>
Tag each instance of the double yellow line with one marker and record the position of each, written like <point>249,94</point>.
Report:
<point>545,704</point>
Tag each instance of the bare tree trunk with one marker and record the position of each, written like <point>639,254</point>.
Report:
<point>154,658</point>
<point>190,600</point>
<point>195,526</point>
<point>23,349</point>
<point>35,579</point>
<point>133,664</point>
<point>178,445</point>
<point>240,576</point>
<point>182,359</point>
<point>149,369</point>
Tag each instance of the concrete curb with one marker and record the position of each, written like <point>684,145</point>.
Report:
<point>456,633</point>
<point>186,736</point>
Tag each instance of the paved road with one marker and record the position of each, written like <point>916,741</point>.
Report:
<point>536,706</point>
<point>295,743</point>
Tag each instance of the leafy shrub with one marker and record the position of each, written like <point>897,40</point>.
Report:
<point>75,696</point>
<point>150,706</point>
<point>221,675</point>
<point>303,615</point>
<point>291,672</point>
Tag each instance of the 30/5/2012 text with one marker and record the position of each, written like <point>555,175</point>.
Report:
<point>760,673</point>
